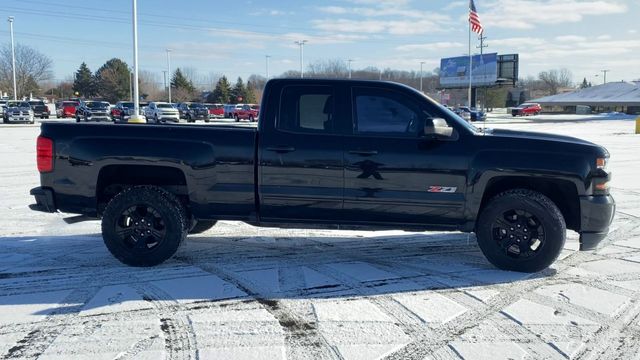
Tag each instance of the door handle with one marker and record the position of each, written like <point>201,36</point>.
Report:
<point>364,152</point>
<point>281,149</point>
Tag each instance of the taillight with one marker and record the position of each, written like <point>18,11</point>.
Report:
<point>44,151</point>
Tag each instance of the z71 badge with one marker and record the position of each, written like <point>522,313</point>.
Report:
<point>442,189</point>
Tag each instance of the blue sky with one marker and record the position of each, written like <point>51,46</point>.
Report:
<point>232,38</point>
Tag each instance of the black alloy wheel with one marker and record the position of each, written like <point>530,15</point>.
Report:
<point>519,233</point>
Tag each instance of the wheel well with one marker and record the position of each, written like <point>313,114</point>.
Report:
<point>563,193</point>
<point>115,178</point>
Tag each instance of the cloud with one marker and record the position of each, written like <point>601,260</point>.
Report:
<point>570,38</point>
<point>394,27</point>
<point>527,14</point>
<point>430,46</point>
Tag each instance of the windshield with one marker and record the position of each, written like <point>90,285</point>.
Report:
<point>69,103</point>
<point>97,105</point>
<point>13,104</point>
<point>128,105</point>
<point>195,106</point>
<point>36,102</point>
<point>164,106</point>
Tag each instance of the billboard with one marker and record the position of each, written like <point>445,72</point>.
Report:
<point>454,72</point>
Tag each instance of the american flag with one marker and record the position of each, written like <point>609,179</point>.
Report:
<point>474,20</point>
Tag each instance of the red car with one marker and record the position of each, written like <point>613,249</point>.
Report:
<point>526,109</point>
<point>247,112</point>
<point>216,111</point>
<point>68,109</point>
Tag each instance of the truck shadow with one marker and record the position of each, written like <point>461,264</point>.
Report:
<point>53,270</point>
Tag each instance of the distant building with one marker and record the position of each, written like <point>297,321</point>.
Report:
<point>614,96</point>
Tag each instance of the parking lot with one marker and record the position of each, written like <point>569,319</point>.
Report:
<point>241,292</point>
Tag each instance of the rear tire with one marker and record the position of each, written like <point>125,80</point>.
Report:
<point>143,225</point>
<point>201,226</point>
<point>521,230</point>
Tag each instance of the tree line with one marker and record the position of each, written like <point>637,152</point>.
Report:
<point>112,81</point>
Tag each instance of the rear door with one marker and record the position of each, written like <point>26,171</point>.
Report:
<point>300,154</point>
<point>393,172</point>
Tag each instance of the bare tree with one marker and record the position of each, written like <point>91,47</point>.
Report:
<point>151,85</point>
<point>32,68</point>
<point>556,79</point>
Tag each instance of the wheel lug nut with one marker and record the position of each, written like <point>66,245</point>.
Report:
<point>511,229</point>
<point>511,236</point>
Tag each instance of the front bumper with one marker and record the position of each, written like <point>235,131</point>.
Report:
<point>45,201</point>
<point>597,213</point>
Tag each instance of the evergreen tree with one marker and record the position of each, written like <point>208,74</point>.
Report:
<point>84,82</point>
<point>585,84</point>
<point>222,92</point>
<point>239,92</point>
<point>179,81</point>
<point>113,80</point>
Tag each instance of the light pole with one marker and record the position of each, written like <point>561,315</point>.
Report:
<point>605,75</point>
<point>164,73</point>
<point>169,71</point>
<point>349,61</point>
<point>13,59</point>
<point>301,44</point>
<point>136,95</point>
<point>421,64</point>
<point>267,57</point>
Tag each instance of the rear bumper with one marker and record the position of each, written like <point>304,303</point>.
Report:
<point>44,200</point>
<point>597,213</point>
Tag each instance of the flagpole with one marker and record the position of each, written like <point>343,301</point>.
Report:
<point>470,64</point>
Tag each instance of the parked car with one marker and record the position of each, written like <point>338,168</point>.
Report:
<point>3,106</point>
<point>162,112</point>
<point>40,109</point>
<point>90,110</point>
<point>193,111</point>
<point>471,113</point>
<point>247,112</point>
<point>18,112</point>
<point>363,154</point>
<point>526,109</point>
<point>68,109</point>
<point>216,111</point>
<point>121,111</point>
<point>230,110</point>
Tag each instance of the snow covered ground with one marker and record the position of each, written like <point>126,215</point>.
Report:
<point>239,292</point>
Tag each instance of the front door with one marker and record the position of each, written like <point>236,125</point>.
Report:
<point>393,172</point>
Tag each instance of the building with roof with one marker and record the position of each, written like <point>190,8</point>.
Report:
<point>614,96</point>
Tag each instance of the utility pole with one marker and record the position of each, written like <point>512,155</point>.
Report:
<point>605,75</point>
<point>349,63</point>
<point>301,44</point>
<point>421,64</point>
<point>267,57</point>
<point>169,71</point>
<point>13,59</point>
<point>482,38</point>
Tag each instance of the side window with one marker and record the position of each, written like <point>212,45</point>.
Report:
<point>307,109</point>
<point>380,111</point>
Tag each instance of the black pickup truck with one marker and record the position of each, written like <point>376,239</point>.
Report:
<point>329,154</point>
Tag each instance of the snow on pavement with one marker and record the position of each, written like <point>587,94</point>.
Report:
<point>240,292</point>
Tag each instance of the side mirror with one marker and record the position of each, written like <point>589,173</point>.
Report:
<point>436,128</point>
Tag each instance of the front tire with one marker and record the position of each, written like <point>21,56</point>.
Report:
<point>143,226</point>
<point>521,230</point>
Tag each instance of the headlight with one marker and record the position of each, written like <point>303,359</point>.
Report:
<point>601,163</point>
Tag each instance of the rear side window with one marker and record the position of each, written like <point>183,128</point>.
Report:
<point>307,109</point>
<point>380,111</point>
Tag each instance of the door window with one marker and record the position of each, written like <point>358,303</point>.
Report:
<point>380,111</point>
<point>307,109</point>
